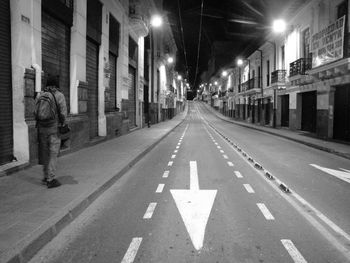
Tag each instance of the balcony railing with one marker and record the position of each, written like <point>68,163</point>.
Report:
<point>253,83</point>
<point>300,66</point>
<point>278,76</point>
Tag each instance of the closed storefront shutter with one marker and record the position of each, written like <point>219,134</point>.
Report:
<point>132,98</point>
<point>6,130</point>
<point>56,50</point>
<point>92,79</point>
<point>113,81</point>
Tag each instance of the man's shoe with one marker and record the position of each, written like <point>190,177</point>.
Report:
<point>44,181</point>
<point>53,183</point>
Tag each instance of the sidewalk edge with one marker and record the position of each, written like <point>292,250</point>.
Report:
<point>26,248</point>
<point>319,147</point>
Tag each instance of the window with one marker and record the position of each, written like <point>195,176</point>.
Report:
<point>268,73</point>
<point>306,43</point>
<point>283,57</point>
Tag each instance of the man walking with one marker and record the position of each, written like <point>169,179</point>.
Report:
<point>50,111</point>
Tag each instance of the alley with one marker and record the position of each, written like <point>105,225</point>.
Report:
<point>199,196</point>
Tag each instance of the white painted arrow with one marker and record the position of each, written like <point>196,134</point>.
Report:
<point>343,175</point>
<point>194,206</point>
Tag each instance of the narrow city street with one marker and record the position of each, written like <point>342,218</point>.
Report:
<point>202,195</point>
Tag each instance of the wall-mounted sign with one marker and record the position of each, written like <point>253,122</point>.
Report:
<point>327,45</point>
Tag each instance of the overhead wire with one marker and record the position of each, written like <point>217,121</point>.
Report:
<point>199,42</point>
<point>182,35</point>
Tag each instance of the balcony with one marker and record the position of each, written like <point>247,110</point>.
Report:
<point>300,66</point>
<point>250,85</point>
<point>279,77</point>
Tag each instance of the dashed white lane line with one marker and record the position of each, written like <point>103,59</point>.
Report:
<point>249,188</point>
<point>267,214</point>
<point>175,151</point>
<point>160,188</point>
<point>177,147</point>
<point>130,254</point>
<point>293,251</point>
<point>170,163</point>
<point>216,143</point>
<point>173,156</point>
<point>225,156</point>
<point>222,151</point>
<point>218,147</point>
<point>230,163</point>
<point>149,211</point>
<point>165,174</point>
<point>238,174</point>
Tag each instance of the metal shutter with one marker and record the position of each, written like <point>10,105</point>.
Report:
<point>56,50</point>
<point>113,81</point>
<point>132,98</point>
<point>6,130</point>
<point>92,79</point>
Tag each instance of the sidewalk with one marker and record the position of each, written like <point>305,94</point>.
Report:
<point>31,215</point>
<point>297,136</point>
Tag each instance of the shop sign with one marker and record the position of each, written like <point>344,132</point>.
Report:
<point>327,45</point>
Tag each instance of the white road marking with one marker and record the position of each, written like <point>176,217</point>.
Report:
<point>194,206</point>
<point>130,254</point>
<point>160,188</point>
<point>249,188</point>
<point>343,175</point>
<point>173,156</point>
<point>177,147</point>
<point>175,151</point>
<point>149,211</point>
<point>222,151</point>
<point>225,156</point>
<point>218,147</point>
<point>238,174</point>
<point>230,163</point>
<point>170,163</point>
<point>165,174</point>
<point>216,143</point>
<point>265,211</point>
<point>293,251</point>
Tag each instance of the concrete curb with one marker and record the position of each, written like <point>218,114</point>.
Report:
<point>26,248</point>
<point>319,147</point>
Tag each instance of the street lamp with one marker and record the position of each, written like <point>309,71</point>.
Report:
<point>278,26</point>
<point>224,73</point>
<point>170,60</point>
<point>179,77</point>
<point>155,22</point>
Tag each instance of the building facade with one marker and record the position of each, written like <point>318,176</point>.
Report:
<point>300,79</point>
<point>101,53</point>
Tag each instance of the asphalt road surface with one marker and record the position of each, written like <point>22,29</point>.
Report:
<point>202,195</point>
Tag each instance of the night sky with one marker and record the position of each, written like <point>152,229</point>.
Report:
<point>243,22</point>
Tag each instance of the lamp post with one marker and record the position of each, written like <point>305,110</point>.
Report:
<point>279,26</point>
<point>156,21</point>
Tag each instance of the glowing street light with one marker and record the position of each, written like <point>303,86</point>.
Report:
<point>224,73</point>
<point>239,62</point>
<point>215,83</point>
<point>279,26</point>
<point>156,21</point>
<point>170,60</point>
<point>179,77</point>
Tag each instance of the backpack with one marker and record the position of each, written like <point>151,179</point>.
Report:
<point>45,109</point>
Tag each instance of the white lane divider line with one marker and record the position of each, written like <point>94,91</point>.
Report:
<point>267,214</point>
<point>149,211</point>
<point>177,147</point>
<point>216,143</point>
<point>218,147</point>
<point>165,174</point>
<point>170,163</point>
<point>230,163</point>
<point>225,156</point>
<point>130,254</point>
<point>293,251</point>
<point>160,188</point>
<point>249,188</point>
<point>175,151</point>
<point>238,174</point>
<point>173,156</point>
